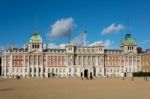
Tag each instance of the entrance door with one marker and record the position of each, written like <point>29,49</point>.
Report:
<point>49,74</point>
<point>86,73</point>
<point>125,74</point>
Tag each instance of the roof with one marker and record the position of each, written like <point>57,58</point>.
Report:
<point>35,37</point>
<point>128,40</point>
<point>16,50</point>
<point>55,50</point>
<point>113,51</point>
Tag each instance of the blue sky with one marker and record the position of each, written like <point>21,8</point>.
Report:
<point>17,20</point>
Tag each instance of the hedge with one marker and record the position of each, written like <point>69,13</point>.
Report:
<point>141,74</point>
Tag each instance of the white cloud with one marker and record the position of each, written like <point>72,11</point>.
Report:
<point>108,43</point>
<point>79,40</point>
<point>4,47</point>
<point>144,43</point>
<point>95,43</point>
<point>53,45</point>
<point>61,28</point>
<point>113,28</point>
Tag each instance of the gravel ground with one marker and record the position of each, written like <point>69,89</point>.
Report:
<point>75,88</point>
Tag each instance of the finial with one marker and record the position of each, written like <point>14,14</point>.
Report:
<point>85,34</point>
<point>69,32</point>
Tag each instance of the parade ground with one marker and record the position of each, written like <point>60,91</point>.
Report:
<point>75,88</point>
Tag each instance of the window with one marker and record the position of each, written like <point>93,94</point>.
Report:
<point>39,70</point>
<point>56,70</point>
<point>75,70</point>
<point>17,69</point>
<point>37,46</point>
<point>21,70</point>
<point>25,70</point>
<point>43,70</point>
<point>70,48</point>
<point>52,70</point>
<point>64,70</point>
<point>30,70</point>
<point>13,69</point>
<point>69,69</point>
<point>32,46</point>
<point>34,69</point>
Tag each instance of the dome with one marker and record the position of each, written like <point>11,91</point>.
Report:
<point>36,37</point>
<point>128,40</point>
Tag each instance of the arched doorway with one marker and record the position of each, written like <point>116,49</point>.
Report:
<point>85,73</point>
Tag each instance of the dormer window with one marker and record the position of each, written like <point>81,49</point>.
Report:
<point>32,46</point>
<point>70,48</point>
<point>37,46</point>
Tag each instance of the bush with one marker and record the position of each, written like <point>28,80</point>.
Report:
<point>141,74</point>
<point>18,77</point>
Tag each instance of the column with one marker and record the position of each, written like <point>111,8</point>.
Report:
<point>37,67</point>
<point>5,67</point>
<point>82,61</point>
<point>132,61</point>
<point>10,66</point>
<point>24,66</point>
<point>28,66</point>
<point>46,66</point>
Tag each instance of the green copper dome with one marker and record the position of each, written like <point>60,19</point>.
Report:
<point>35,37</point>
<point>128,40</point>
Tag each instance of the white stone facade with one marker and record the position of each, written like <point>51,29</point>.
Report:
<point>35,60</point>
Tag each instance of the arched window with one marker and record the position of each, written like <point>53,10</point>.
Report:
<point>39,70</point>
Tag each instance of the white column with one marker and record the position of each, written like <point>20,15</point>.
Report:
<point>2,65</point>
<point>132,61</point>
<point>82,60</point>
<point>5,70</point>
<point>24,66</point>
<point>46,66</point>
<point>28,65</point>
<point>10,66</point>
<point>36,58</point>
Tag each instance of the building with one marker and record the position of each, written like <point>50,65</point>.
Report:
<point>0,65</point>
<point>36,60</point>
<point>145,61</point>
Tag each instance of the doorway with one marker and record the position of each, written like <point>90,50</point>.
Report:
<point>86,73</point>
<point>49,75</point>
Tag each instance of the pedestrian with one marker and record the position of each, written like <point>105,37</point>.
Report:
<point>91,77</point>
<point>132,78</point>
<point>81,76</point>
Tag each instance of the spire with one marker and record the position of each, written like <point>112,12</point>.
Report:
<point>85,34</point>
<point>69,32</point>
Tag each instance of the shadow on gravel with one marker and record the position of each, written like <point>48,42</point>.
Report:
<point>7,89</point>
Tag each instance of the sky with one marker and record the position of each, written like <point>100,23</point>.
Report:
<point>105,21</point>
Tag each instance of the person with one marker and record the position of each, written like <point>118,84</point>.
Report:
<point>91,77</point>
<point>132,78</point>
<point>81,75</point>
<point>123,78</point>
<point>87,78</point>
